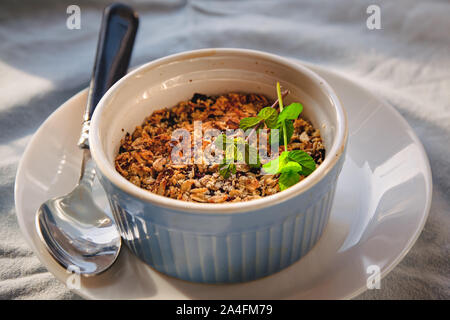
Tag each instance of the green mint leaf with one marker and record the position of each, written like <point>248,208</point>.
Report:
<point>275,136</point>
<point>239,154</point>
<point>304,159</point>
<point>288,179</point>
<point>289,130</point>
<point>291,112</point>
<point>234,153</point>
<point>270,116</point>
<point>284,157</point>
<point>252,156</point>
<point>272,166</point>
<point>239,141</point>
<point>291,166</point>
<point>280,134</point>
<point>225,170</point>
<point>275,166</point>
<point>221,141</point>
<point>229,153</point>
<point>249,122</point>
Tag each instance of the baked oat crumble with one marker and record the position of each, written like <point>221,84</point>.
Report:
<point>144,156</point>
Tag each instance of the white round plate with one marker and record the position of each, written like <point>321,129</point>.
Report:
<point>381,205</point>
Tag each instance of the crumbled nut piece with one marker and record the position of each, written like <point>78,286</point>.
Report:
<point>186,186</point>
<point>304,137</point>
<point>218,198</point>
<point>252,185</point>
<point>162,187</point>
<point>179,166</point>
<point>158,165</point>
<point>199,198</point>
<point>242,167</point>
<point>199,190</point>
<point>235,193</point>
<point>179,176</point>
<point>135,180</point>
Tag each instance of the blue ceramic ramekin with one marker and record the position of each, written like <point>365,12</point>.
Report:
<point>230,242</point>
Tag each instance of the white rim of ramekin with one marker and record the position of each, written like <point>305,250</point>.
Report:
<point>331,158</point>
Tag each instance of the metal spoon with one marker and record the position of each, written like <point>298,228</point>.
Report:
<point>78,234</point>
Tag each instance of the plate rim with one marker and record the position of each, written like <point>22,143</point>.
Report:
<point>323,72</point>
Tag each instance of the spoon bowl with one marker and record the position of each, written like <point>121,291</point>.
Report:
<point>76,231</point>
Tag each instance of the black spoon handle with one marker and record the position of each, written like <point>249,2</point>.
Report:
<point>115,43</point>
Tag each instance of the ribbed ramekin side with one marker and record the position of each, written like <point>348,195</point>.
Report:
<point>229,257</point>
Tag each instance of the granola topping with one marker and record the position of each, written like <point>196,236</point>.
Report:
<point>144,156</point>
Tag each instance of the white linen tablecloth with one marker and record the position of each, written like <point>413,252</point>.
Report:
<point>407,62</point>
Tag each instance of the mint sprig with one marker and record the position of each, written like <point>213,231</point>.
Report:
<point>290,165</point>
